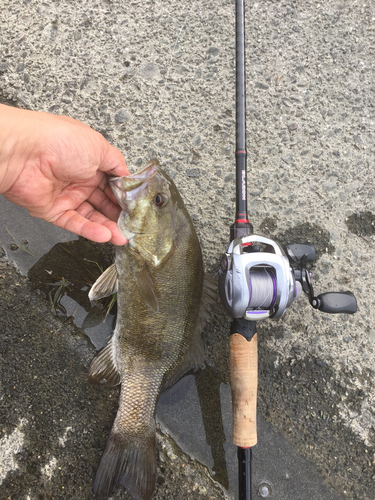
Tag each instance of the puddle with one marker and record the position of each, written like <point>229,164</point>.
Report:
<point>65,275</point>
<point>196,412</point>
<point>61,265</point>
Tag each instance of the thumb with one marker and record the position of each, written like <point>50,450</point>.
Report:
<point>112,161</point>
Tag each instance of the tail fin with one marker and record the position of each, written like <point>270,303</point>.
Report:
<point>130,462</point>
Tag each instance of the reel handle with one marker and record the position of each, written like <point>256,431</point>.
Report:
<point>298,250</point>
<point>335,302</point>
<point>243,359</point>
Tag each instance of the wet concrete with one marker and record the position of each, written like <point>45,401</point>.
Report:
<point>288,473</point>
<point>295,419</point>
<point>53,423</point>
<point>57,422</point>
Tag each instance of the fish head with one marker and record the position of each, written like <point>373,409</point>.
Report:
<point>149,200</point>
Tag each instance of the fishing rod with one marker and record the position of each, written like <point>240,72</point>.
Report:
<point>258,279</point>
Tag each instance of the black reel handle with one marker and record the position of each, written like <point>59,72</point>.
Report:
<point>330,302</point>
<point>296,251</point>
<point>335,302</point>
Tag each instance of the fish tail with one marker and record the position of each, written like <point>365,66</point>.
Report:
<point>128,461</point>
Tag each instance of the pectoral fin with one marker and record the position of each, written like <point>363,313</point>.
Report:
<point>105,285</point>
<point>146,287</point>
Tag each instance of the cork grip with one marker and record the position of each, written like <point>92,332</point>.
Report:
<point>244,384</point>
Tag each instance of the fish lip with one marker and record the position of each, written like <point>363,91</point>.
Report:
<point>128,234</point>
<point>151,171</point>
<point>140,177</point>
<point>122,194</point>
<point>141,174</point>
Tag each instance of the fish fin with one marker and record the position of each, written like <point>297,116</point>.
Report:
<point>105,285</point>
<point>129,462</point>
<point>103,368</point>
<point>210,297</point>
<point>193,360</point>
<point>146,287</point>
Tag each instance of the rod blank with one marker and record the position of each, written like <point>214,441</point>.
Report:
<point>241,175</point>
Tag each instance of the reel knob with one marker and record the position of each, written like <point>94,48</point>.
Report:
<point>335,302</point>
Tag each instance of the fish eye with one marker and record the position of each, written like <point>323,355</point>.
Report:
<point>159,200</point>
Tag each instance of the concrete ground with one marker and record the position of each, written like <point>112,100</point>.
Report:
<point>157,79</point>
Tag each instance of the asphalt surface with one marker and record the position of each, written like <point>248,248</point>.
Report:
<point>157,79</point>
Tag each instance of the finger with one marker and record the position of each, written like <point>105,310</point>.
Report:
<point>118,238</point>
<point>112,161</point>
<point>71,198</point>
<point>87,211</point>
<point>76,223</point>
<point>108,191</point>
<point>104,205</point>
<point>105,186</point>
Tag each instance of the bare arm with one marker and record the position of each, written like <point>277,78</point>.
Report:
<point>57,168</point>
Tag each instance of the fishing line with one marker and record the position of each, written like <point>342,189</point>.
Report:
<point>262,284</point>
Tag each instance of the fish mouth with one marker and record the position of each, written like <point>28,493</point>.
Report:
<point>148,171</point>
<point>128,234</point>
<point>128,187</point>
<point>133,181</point>
<point>126,190</point>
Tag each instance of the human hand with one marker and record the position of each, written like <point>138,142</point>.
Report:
<point>57,168</point>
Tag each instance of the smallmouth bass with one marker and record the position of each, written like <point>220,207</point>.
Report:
<point>163,302</point>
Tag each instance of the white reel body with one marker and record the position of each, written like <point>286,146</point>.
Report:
<point>256,284</point>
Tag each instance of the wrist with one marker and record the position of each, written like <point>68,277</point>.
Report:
<point>14,144</point>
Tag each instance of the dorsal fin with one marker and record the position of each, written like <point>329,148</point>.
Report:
<point>210,297</point>
<point>103,368</point>
<point>193,360</point>
<point>105,285</point>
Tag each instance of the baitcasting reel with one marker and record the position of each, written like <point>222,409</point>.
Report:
<point>258,280</point>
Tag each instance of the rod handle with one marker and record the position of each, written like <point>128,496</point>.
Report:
<point>243,356</point>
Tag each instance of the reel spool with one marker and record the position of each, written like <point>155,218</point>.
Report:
<point>262,285</point>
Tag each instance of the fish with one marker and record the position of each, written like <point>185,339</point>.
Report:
<point>163,302</point>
